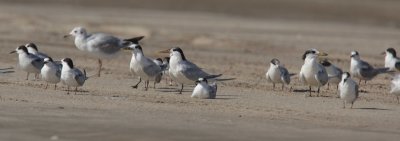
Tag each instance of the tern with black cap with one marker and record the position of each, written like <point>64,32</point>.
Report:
<point>348,90</point>
<point>51,72</point>
<point>71,76</point>
<point>363,70</point>
<point>182,70</point>
<point>312,73</point>
<point>28,62</point>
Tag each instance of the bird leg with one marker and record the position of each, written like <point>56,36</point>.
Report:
<point>67,89</point>
<point>365,81</point>
<point>310,91</point>
<point>344,104</point>
<point>180,92</point>
<point>318,92</point>
<point>137,84</point>
<point>154,85</point>
<point>47,84</point>
<point>273,86</point>
<point>27,75</point>
<point>351,107</point>
<point>146,85</point>
<point>55,86</point>
<point>100,65</point>
<point>283,86</point>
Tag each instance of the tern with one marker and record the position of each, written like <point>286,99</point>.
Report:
<point>362,70</point>
<point>166,71</point>
<point>28,62</point>
<point>182,70</point>
<point>32,48</point>
<point>71,76</point>
<point>101,45</point>
<point>277,74</point>
<point>203,90</point>
<point>158,78</point>
<point>391,59</point>
<point>334,73</point>
<point>312,73</point>
<point>348,89</point>
<point>142,66</point>
<point>395,87</point>
<point>51,72</point>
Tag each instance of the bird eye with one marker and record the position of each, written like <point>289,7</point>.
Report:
<point>75,31</point>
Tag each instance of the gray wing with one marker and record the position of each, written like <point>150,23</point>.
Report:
<point>340,72</point>
<point>79,77</point>
<point>37,62</point>
<point>356,87</point>
<point>152,69</point>
<point>106,43</point>
<point>192,71</point>
<point>59,68</point>
<point>322,75</point>
<point>285,76</point>
<point>42,55</point>
<point>213,92</point>
<point>366,70</point>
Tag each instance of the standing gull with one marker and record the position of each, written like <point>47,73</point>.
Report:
<point>51,72</point>
<point>334,73</point>
<point>71,76</point>
<point>142,66</point>
<point>101,45</point>
<point>203,90</point>
<point>348,90</point>
<point>277,74</point>
<point>312,73</point>
<point>362,70</point>
<point>28,62</point>
<point>182,70</point>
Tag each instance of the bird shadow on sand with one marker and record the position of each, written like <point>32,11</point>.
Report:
<point>372,109</point>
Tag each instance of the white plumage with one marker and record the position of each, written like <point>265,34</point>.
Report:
<point>28,62</point>
<point>395,87</point>
<point>51,72</point>
<point>203,90</point>
<point>312,73</point>
<point>70,76</point>
<point>348,90</point>
<point>277,74</point>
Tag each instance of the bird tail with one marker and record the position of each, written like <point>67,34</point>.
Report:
<point>134,40</point>
<point>292,74</point>
<point>383,70</point>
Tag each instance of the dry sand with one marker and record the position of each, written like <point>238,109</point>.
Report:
<point>245,109</point>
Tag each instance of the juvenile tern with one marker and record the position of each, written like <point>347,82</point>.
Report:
<point>71,76</point>
<point>395,87</point>
<point>312,73</point>
<point>362,70</point>
<point>101,45</point>
<point>144,67</point>
<point>168,79</point>
<point>158,78</point>
<point>183,71</point>
<point>28,62</point>
<point>391,59</point>
<point>348,90</point>
<point>277,74</point>
<point>51,72</point>
<point>32,48</point>
<point>203,90</point>
<point>334,73</point>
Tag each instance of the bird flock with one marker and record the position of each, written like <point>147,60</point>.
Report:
<point>176,68</point>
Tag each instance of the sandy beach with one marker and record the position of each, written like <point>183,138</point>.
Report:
<point>219,39</point>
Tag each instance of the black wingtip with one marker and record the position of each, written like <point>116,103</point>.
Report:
<point>134,40</point>
<point>213,76</point>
